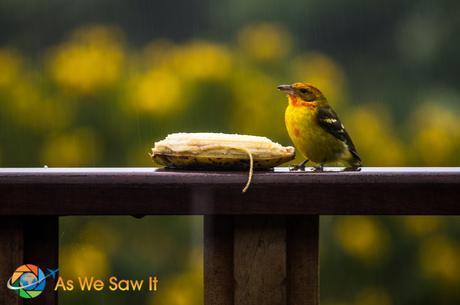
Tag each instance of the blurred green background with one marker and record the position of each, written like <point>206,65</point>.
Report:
<point>94,83</point>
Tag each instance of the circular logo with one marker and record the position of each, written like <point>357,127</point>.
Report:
<point>28,281</point>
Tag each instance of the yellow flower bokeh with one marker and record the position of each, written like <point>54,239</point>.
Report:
<point>184,288</point>
<point>265,41</point>
<point>80,260</point>
<point>373,296</point>
<point>257,105</point>
<point>90,61</point>
<point>198,60</point>
<point>440,259</point>
<point>373,135</point>
<point>77,148</point>
<point>10,66</point>
<point>436,139</point>
<point>158,92</point>
<point>322,71</point>
<point>422,225</point>
<point>29,107</point>
<point>362,237</point>
<point>94,232</point>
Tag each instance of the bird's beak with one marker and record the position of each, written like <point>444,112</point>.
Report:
<point>286,88</point>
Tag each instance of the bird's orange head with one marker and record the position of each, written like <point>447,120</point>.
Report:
<point>303,93</point>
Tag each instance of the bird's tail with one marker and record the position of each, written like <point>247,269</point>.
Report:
<point>353,163</point>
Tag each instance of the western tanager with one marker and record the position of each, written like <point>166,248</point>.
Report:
<point>316,130</point>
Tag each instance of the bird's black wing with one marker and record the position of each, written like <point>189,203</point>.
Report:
<point>329,121</point>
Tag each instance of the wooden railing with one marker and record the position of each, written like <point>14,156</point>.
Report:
<point>260,247</point>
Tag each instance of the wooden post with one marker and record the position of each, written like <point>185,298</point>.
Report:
<point>218,260</point>
<point>303,260</point>
<point>28,240</point>
<point>270,260</point>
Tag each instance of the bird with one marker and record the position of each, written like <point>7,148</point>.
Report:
<point>316,130</point>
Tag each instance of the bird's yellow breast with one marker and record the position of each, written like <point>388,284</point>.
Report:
<point>311,139</point>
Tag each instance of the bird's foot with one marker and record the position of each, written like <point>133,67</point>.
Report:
<point>298,167</point>
<point>318,169</point>
<point>352,169</point>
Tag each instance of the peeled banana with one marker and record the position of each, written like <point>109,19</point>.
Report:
<point>219,151</point>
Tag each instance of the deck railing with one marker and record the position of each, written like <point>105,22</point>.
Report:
<point>260,247</point>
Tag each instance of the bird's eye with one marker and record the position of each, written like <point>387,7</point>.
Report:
<point>303,90</point>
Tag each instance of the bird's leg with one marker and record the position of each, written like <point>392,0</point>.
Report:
<point>300,166</point>
<point>319,168</point>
